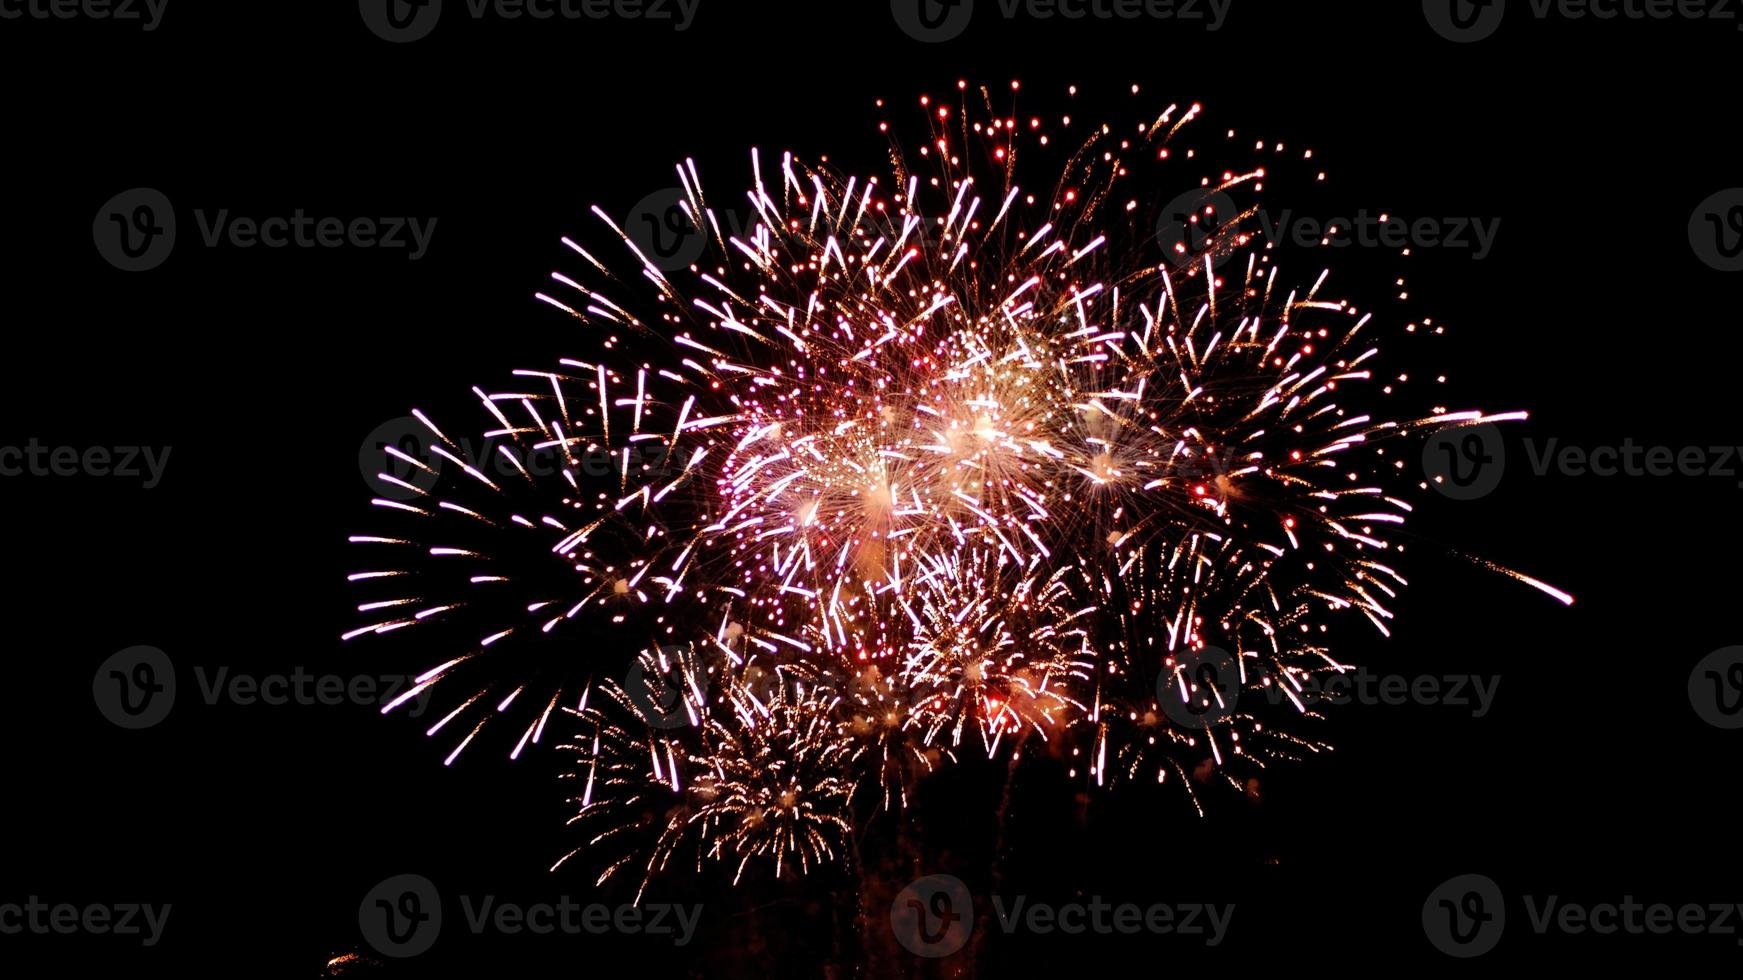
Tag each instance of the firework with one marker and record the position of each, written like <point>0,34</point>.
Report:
<point>918,462</point>
<point>990,647</point>
<point>742,762</point>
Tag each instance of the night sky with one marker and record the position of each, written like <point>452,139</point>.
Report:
<point>1587,774</point>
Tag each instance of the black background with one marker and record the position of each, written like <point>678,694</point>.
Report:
<point>1591,779</point>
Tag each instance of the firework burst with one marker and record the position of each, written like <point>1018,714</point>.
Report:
<point>919,461</point>
<point>750,766</point>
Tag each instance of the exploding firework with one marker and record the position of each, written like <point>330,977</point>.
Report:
<point>990,648</point>
<point>750,766</point>
<point>916,463</point>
